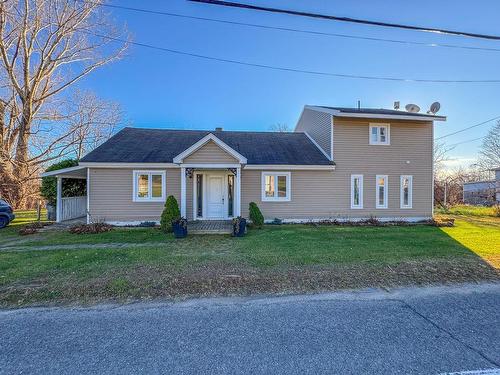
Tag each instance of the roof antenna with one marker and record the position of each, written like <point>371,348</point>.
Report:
<point>359,104</point>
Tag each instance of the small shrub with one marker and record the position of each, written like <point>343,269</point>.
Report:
<point>255,215</point>
<point>170,213</point>
<point>372,220</point>
<point>92,228</point>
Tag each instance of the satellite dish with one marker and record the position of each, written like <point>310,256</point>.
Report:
<point>434,108</point>
<point>412,108</point>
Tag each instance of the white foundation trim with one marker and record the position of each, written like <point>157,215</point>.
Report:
<point>410,219</point>
<point>130,223</point>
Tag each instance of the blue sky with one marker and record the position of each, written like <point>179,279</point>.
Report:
<point>158,89</point>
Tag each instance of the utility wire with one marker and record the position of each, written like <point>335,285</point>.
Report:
<point>301,31</point>
<point>467,141</point>
<point>294,70</point>
<point>469,127</point>
<point>349,19</point>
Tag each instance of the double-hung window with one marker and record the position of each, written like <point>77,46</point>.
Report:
<point>381,191</point>
<point>276,186</point>
<point>149,186</point>
<point>380,134</point>
<point>406,191</point>
<point>356,191</point>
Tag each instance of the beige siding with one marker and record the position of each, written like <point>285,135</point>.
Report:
<point>326,194</point>
<point>319,126</point>
<point>111,193</point>
<point>314,194</point>
<point>210,153</point>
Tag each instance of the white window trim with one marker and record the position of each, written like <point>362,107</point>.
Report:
<point>386,190</point>
<point>410,191</point>
<point>360,205</point>
<point>388,136</point>
<point>163,197</point>
<point>288,187</point>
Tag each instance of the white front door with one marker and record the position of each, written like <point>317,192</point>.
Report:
<point>215,197</point>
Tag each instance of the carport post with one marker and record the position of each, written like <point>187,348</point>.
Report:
<point>59,199</point>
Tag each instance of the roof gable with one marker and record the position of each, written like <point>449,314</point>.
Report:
<point>205,140</point>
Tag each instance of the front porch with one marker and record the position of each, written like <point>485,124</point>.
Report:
<point>210,193</point>
<point>70,209</point>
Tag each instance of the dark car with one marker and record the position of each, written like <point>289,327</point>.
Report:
<point>6,214</point>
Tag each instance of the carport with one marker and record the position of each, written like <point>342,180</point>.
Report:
<point>69,208</point>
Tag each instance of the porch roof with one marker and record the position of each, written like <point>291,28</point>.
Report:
<point>71,172</point>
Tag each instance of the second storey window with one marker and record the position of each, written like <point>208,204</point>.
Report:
<point>149,186</point>
<point>406,191</point>
<point>275,186</point>
<point>381,192</point>
<point>356,191</point>
<point>380,134</point>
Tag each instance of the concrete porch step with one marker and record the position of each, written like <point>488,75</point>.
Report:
<point>210,227</point>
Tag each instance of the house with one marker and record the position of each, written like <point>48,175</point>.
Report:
<point>339,163</point>
<point>483,192</point>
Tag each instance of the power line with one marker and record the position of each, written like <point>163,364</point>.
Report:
<point>294,30</point>
<point>469,127</point>
<point>349,19</point>
<point>294,70</point>
<point>467,141</point>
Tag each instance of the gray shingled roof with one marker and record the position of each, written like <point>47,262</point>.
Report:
<point>134,145</point>
<point>376,111</point>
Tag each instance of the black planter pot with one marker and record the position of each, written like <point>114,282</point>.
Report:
<point>180,231</point>
<point>239,229</point>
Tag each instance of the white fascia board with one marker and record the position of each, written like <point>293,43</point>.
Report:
<point>210,137</point>
<point>318,146</point>
<point>209,165</point>
<point>129,165</point>
<point>63,171</point>
<point>402,116</point>
<point>289,167</point>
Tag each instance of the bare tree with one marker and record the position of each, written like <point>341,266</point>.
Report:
<point>440,156</point>
<point>280,127</point>
<point>46,47</point>
<point>490,149</point>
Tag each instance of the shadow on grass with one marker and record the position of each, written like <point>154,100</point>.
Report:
<point>480,236</point>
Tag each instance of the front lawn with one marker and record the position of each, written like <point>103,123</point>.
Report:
<point>55,266</point>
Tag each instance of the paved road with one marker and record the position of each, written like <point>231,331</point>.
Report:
<point>418,330</point>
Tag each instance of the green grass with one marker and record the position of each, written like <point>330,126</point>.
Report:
<point>140,262</point>
<point>468,210</point>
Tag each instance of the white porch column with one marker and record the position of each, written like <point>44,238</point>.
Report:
<point>237,195</point>
<point>59,199</point>
<point>88,195</point>
<point>183,191</point>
